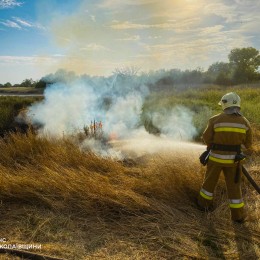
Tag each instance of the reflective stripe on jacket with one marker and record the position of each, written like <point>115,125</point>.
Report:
<point>227,129</point>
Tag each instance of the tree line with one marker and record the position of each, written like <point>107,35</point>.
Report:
<point>243,67</point>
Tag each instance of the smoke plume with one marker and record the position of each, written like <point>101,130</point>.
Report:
<point>116,101</point>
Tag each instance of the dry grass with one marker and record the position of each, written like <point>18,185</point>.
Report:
<point>80,206</point>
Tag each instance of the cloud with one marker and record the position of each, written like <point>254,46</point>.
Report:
<point>178,25</point>
<point>94,47</point>
<point>128,25</point>
<point>15,69</point>
<point>154,34</point>
<point>11,24</point>
<point>210,31</point>
<point>19,23</point>
<point>28,60</point>
<point>226,11</point>
<point>93,18</point>
<point>117,3</point>
<point>28,24</point>
<point>5,4</point>
<point>130,38</point>
<point>23,22</point>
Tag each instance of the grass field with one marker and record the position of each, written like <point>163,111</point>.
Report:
<point>21,90</point>
<point>203,100</point>
<point>77,205</point>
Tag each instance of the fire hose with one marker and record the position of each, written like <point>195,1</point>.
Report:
<point>250,179</point>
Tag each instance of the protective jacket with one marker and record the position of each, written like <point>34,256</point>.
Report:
<point>227,129</point>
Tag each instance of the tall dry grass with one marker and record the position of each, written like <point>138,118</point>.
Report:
<point>80,206</point>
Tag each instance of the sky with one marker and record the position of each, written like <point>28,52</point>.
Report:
<point>96,37</point>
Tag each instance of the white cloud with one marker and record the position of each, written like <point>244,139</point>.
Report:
<point>179,25</point>
<point>93,18</point>
<point>117,3</point>
<point>152,34</point>
<point>154,37</point>
<point>23,22</point>
<point>26,60</point>
<point>58,55</point>
<point>11,24</point>
<point>210,31</point>
<point>94,47</point>
<point>128,25</point>
<point>4,4</point>
<point>226,11</point>
<point>130,38</point>
<point>20,23</point>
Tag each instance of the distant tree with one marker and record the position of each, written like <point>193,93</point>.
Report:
<point>40,84</point>
<point>245,62</point>
<point>192,76</point>
<point>220,73</point>
<point>126,71</point>
<point>1,85</point>
<point>60,75</point>
<point>7,85</point>
<point>29,83</point>
<point>218,67</point>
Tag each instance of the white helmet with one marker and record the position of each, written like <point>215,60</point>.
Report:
<point>230,100</point>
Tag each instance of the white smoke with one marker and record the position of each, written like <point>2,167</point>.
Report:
<point>102,149</point>
<point>176,123</point>
<point>116,101</point>
<point>65,108</point>
<point>124,115</point>
<point>69,106</point>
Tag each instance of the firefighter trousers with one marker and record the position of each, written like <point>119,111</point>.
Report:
<point>236,203</point>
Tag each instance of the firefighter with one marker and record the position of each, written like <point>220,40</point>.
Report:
<point>224,136</point>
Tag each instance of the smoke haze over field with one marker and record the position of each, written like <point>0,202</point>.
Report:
<point>117,101</point>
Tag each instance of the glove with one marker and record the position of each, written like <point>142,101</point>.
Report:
<point>204,157</point>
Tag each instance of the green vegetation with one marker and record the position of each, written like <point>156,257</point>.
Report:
<point>9,109</point>
<point>27,83</point>
<point>242,68</point>
<point>21,91</point>
<point>245,62</point>
<point>203,101</point>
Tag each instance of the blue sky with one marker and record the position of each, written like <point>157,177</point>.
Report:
<point>95,37</point>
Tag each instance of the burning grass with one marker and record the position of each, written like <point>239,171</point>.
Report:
<point>80,206</point>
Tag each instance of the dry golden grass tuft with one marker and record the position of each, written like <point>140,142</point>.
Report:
<point>80,206</point>
<point>256,134</point>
